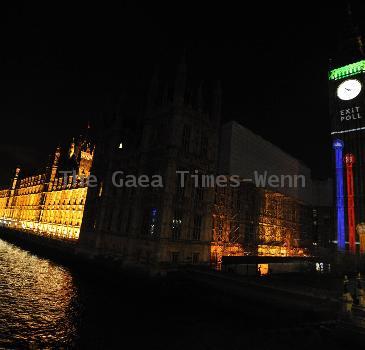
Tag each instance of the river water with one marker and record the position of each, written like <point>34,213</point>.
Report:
<point>45,305</point>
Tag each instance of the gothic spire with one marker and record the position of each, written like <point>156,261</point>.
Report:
<point>354,31</point>
<point>351,43</point>
<point>180,82</point>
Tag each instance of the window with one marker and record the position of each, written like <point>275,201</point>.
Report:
<point>220,229</point>
<point>288,212</point>
<point>197,227</point>
<point>152,230</point>
<point>195,259</point>
<point>198,196</point>
<point>235,232</point>
<point>186,138</point>
<point>204,146</point>
<point>180,180</point>
<point>175,257</point>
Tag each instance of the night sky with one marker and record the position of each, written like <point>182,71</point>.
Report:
<point>62,64</point>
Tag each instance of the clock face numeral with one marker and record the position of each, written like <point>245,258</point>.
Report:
<point>348,89</point>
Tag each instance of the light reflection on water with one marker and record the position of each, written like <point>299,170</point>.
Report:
<point>36,300</point>
<point>44,305</point>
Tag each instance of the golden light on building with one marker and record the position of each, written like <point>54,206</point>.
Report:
<point>253,221</point>
<point>50,204</point>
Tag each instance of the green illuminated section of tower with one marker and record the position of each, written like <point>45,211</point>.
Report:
<point>347,71</point>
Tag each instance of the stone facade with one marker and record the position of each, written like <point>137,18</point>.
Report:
<point>161,225</point>
<point>50,204</point>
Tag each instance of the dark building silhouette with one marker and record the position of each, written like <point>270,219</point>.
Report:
<point>179,132</point>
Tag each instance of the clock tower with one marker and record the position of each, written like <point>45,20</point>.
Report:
<point>347,110</point>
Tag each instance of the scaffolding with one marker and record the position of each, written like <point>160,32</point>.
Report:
<point>252,221</point>
<point>227,237</point>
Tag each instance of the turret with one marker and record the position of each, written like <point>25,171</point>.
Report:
<point>54,167</point>
<point>85,153</point>
<point>71,151</point>
<point>15,179</point>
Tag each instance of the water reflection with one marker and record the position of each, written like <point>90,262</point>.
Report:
<point>44,305</point>
<point>36,300</point>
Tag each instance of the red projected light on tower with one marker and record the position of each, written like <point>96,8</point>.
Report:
<point>350,160</point>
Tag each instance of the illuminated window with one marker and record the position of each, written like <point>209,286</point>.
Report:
<point>220,229</point>
<point>176,225</point>
<point>121,145</point>
<point>150,222</point>
<point>153,222</point>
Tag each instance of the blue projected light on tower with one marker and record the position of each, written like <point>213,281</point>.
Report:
<point>338,147</point>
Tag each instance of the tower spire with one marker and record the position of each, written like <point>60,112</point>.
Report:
<point>355,32</point>
<point>351,46</point>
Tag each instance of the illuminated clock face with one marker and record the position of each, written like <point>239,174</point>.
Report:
<point>349,89</point>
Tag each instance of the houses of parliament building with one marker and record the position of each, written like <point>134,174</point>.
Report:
<point>180,131</point>
<point>50,204</point>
